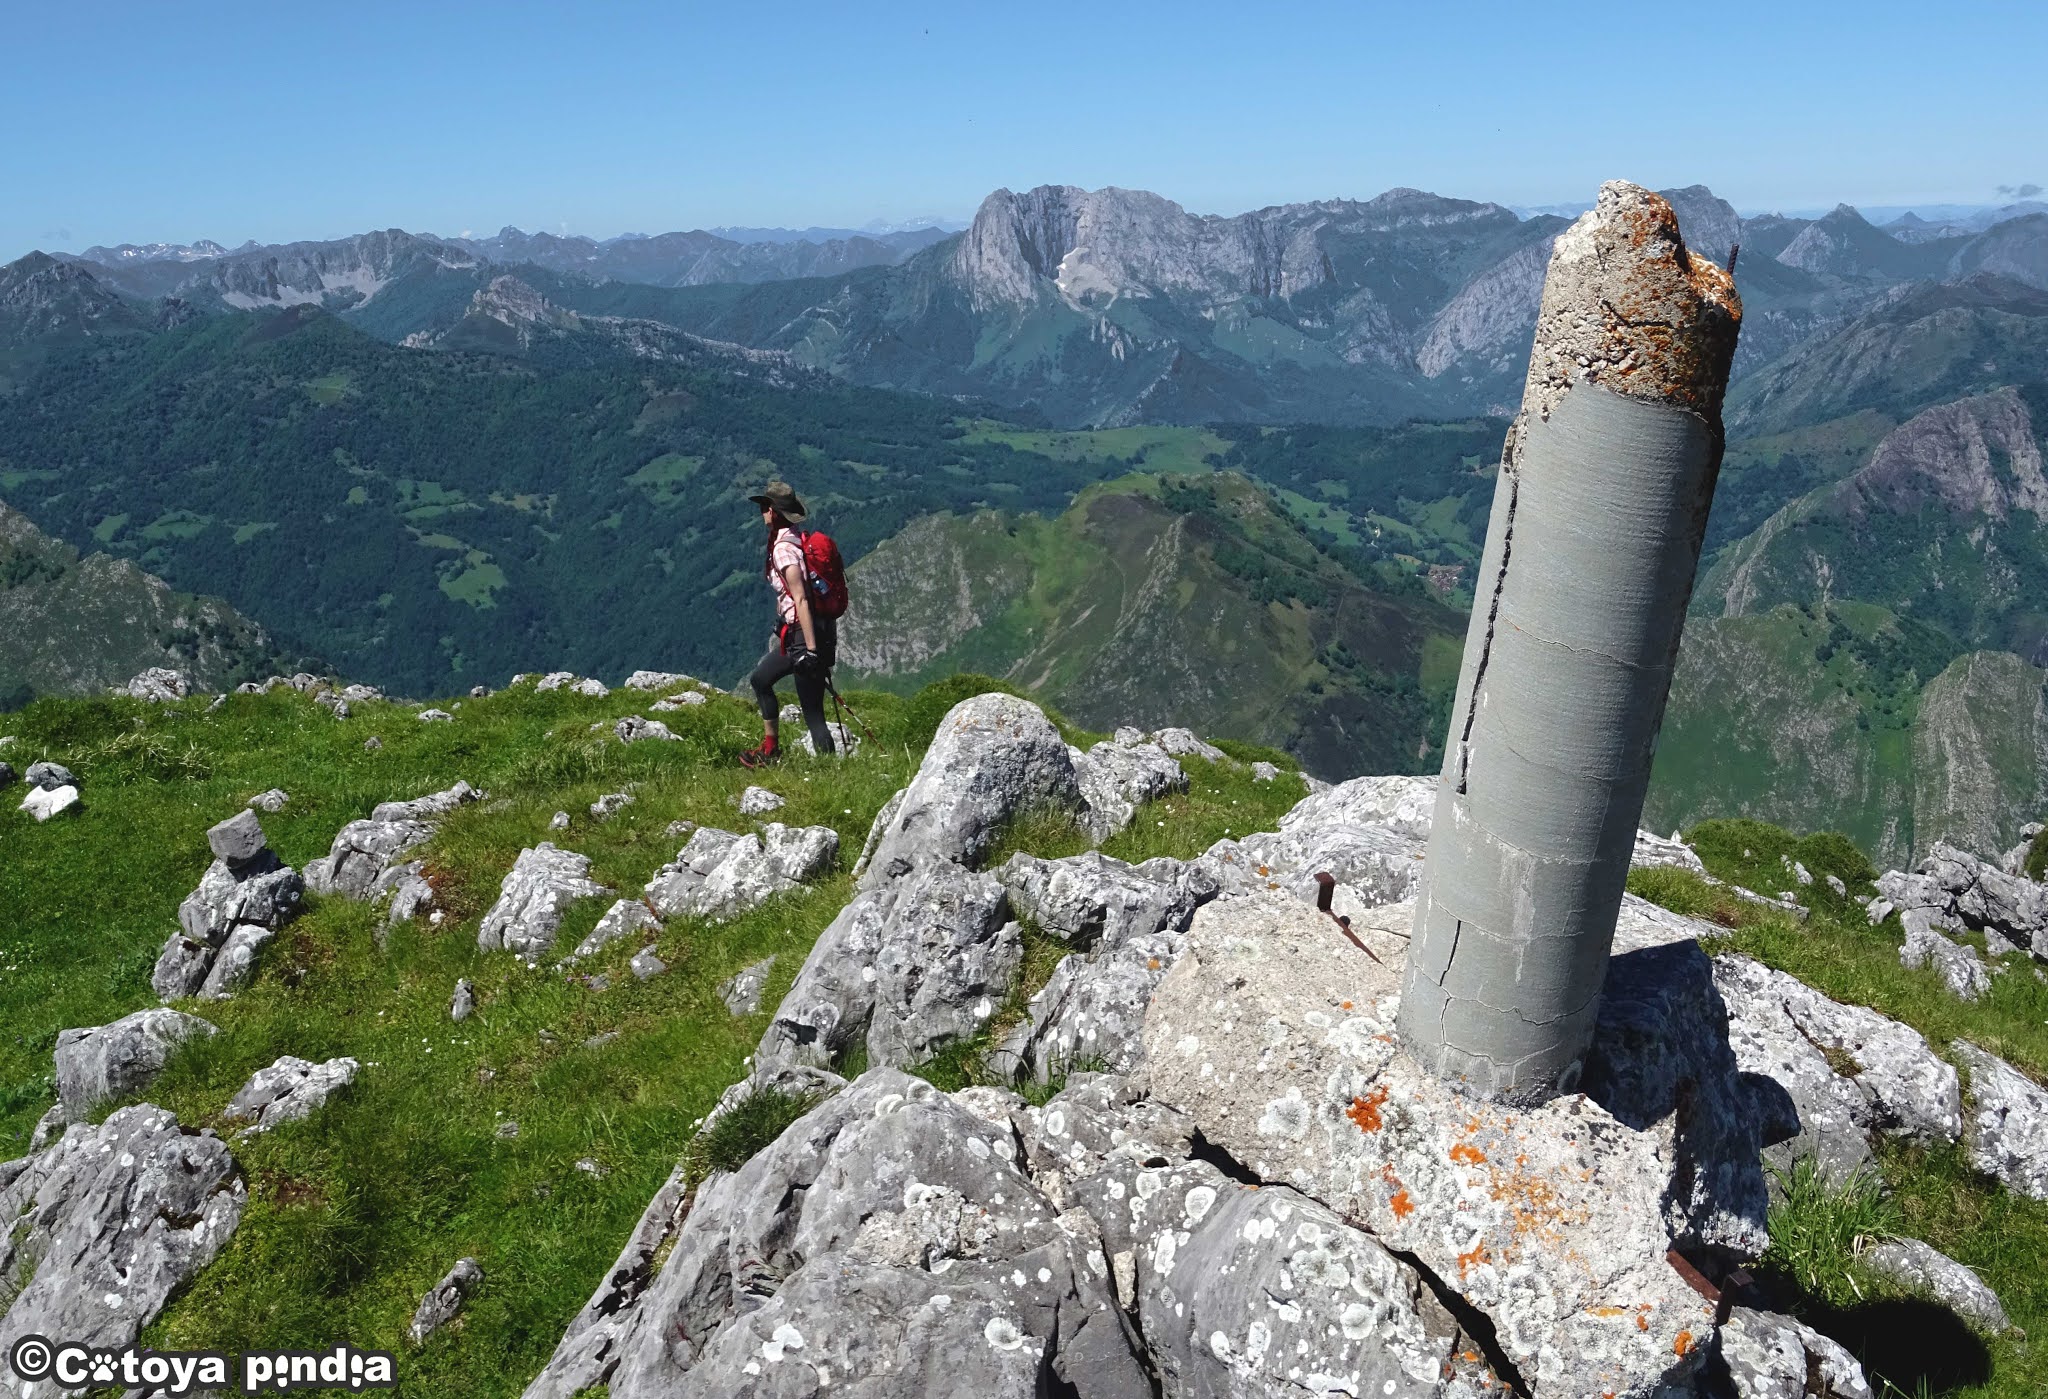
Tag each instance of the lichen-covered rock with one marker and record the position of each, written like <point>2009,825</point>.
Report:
<point>1182,743</point>
<point>363,851</point>
<point>1788,1040</point>
<point>429,716</point>
<point>720,875</point>
<point>118,1060</point>
<point>1988,897</point>
<point>427,808</point>
<point>1932,1273</point>
<point>159,685</point>
<point>741,991</point>
<point>876,829</point>
<point>1090,898</point>
<point>1961,967</point>
<point>555,680</point>
<point>287,1091</point>
<point>889,1234</point>
<point>1276,1038</point>
<point>625,918</point>
<point>646,964</point>
<point>1661,852</point>
<point>532,898</point>
<point>658,680</point>
<point>759,801</point>
<point>633,729</point>
<point>2007,1127</point>
<point>907,967</point>
<point>412,893</point>
<point>107,1222</point>
<point>234,965</point>
<point>994,757</point>
<point>845,739</point>
<point>237,840</point>
<point>241,901</point>
<point>444,1301</point>
<point>610,804</point>
<point>1117,778</point>
<point>1774,1357</point>
<point>591,688</point>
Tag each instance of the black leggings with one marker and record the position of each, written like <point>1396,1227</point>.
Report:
<point>810,689</point>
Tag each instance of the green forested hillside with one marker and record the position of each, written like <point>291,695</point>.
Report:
<point>1161,600</point>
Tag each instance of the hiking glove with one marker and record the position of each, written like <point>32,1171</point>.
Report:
<point>808,665</point>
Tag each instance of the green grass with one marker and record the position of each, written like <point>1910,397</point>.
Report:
<point>1163,449</point>
<point>2037,857</point>
<point>355,1212</point>
<point>1818,1228</point>
<point>329,389</point>
<point>742,1132</point>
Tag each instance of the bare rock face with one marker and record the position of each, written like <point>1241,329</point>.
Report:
<point>907,967</point>
<point>720,875</point>
<point>107,1222</point>
<point>1276,1039</point>
<point>532,899</point>
<point>119,1060</point>
<point>288,1091</point>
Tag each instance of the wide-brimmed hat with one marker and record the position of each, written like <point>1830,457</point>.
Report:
<point>782,500</point>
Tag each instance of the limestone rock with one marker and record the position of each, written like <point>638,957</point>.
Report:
<point>107,1222</point>
<point>272,800</point>
<point>2007,1128</point>
<point>759,801</point>
<point>1987,897</point>
<point>362,854</point>
<point>1659,852</point>
<point>119,1060</point>
<point>1117,778</point>
<point>720,875</point>
<point>910,966</point>
<point>658,680</point>
<point>994,757</point>
<point>1788,1040</point>
<point>235,964</point>
<point>463,1004</point>
<point>1369,834</point>
<point>555,680</point>
<point>741,991</point>
<point>241,901</point>
<point>647,964</point>
<point>688,700</point>
<point>1961,967</point>
<point>237,840</point>
<point>45,802</point>
<point>1265,772</point>
<point>1927,1270</point>
<point>440,1306</point>
<point>1276,1039</point>
<point>49,776</point>
<point>1774,1357</point>
<point>633,729</point>
<point>1091,1011</point>
<point>591,688</point>
<point>532,898</point>
<point>1090,898</point>
<point>159,685</point>
<point>1182,743</point>
<point>427,808</point>
<point>845,740</point>
<point>430,716</point>
<point>610,804</point>
<point>287,1091</point>
<point>876,829</point>
<point>411,893</point>
<point>625,918</point>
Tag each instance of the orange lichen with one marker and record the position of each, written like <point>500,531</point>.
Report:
<point>1401,1205</point>
<point>1642,1323</point>
<point>1365,1112</point>
<point>1344,1005</point>
<point>1608,1311</point>
<point>1468,1261</point>
<point>1683,1344</point>
<point>1151,964</point>
<point>1468,1153</point>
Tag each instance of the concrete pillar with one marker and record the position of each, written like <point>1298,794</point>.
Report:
<point>1597,521</point>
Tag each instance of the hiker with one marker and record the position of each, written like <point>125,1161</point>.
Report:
<point>806,636</point>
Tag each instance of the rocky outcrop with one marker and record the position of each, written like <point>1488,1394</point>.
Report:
<point>288,1090</point>
<point>365,860</point>
<point>1987,898</point>
<point>244,897</point>
<point>910,965</point>
<point>624,919</point>
<point>158,685</point>
<point>532,899</point>
<point>1116,778</point>
<point>719,875</point>
<point>106,1063</point>
<point>107,1222</point>
<point>441,1305</point>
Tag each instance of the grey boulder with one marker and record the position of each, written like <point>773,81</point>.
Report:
<point>2008,1122</point>
<point>759,801</point>
<point>118,1060</point>
<point>159,685</point>
<point>287,1091</point>
<point>741,991</point>
<point>362,855</point>
<point>1091,898</point>
<point>45,802</point>
<point>634,729</point>
<point>625,918</point>
<point>49,776</point>
<point>1768,1356</point>
<point>239,839</point>
<point>647,964</point>
<point>240,903</point>
<point>1932,1273</point>
<point>272,800</point>
<point>107,1222</point>
<point>1961,967</point>
<point>1117,778</point>
<point>532,899</point>
<point>463,1003</point>
<point>720,875</point>
<point>429,807</point>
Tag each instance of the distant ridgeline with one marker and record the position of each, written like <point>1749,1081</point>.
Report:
<point>441,461</point>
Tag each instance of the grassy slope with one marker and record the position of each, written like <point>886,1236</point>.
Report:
<point>1931,1195</point>
<point>355,1213</point>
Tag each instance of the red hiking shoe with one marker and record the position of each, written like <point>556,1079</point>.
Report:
<point>760,757</point>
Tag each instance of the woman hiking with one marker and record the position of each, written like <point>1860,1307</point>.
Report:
<point>805,641</point>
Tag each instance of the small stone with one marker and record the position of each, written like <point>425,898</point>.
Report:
<point>742,991</point>
<point>759,801</point>
<point>440,1306</point>
<point>464,1003</point>
<point>633,729</point>
<point>272,800</point>
<point>288,1091</point>
<point>676,830</point>
<point>646,965</point>
<point>593,689</point>
<point>239,839</point>
<point>479,691</point>
<point>600,1040</point>
<point>435,716</point>
<point>1835,883</point>
<point>590,1167</point>
<point>608,804</point>
<point>373,744</point>
<point>559,821</point>
<point>1264,772</point>
<point>507,1129</point>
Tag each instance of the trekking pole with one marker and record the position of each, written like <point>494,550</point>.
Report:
<point>847,709</point>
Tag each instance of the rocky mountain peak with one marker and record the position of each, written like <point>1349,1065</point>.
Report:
<point>1977,457</point>
<point>1709,222</point>
<point>42,297</point>
<point>1844,243</point>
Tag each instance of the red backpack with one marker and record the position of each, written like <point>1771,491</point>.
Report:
<point>827,574</point>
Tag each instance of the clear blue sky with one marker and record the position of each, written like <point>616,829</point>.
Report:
<point>274,122</point>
